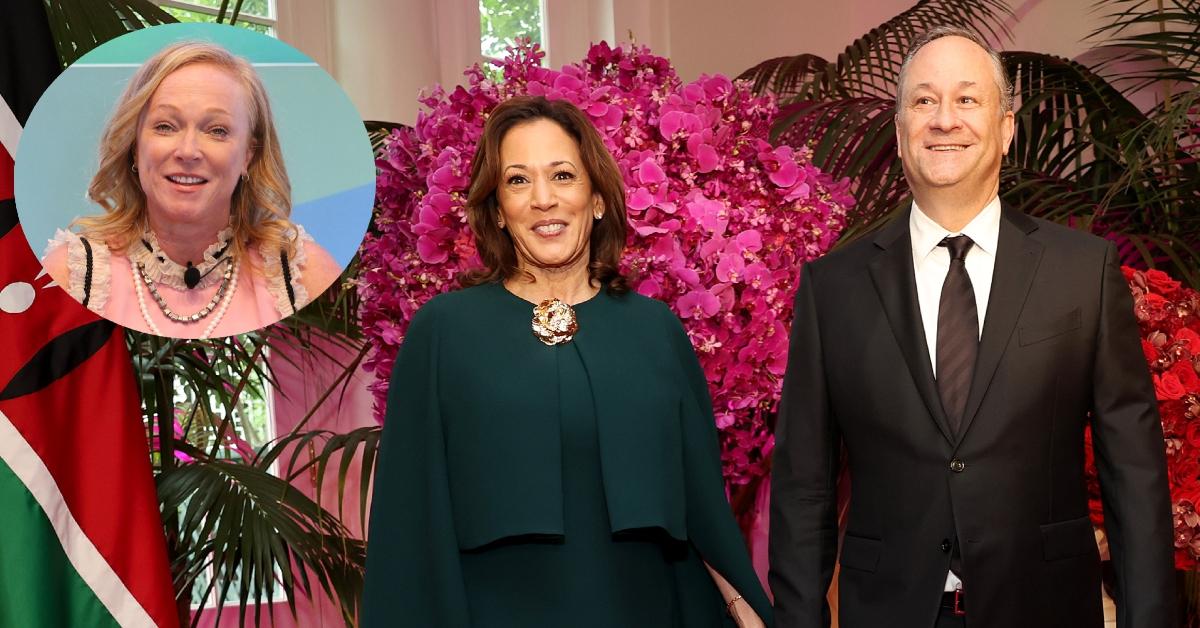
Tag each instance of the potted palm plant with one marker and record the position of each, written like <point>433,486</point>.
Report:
<point>1084,154</point>
<point>239,527</point>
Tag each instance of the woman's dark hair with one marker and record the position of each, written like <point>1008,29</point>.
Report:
<point>495,245</point>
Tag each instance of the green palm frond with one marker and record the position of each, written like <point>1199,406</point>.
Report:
<point>1142,240</point>
<point>1166,32</point>
<point>224,12</point>
<point>1070,124</point>
<point>1084,154</point>
<point>333,316</point>
<point>1161,250</point>
<point>852,138</point>
<point>224,515</point>
<point>870,65</point>
<point>1055,198</point>
<point>201,370</point>
<point>78,26</point>
<point>844,110</point>
<point>1165,150</point>
<point>379,131</point>
<point>259,534</point>
<point>316,452</point>
<point>785,76</point>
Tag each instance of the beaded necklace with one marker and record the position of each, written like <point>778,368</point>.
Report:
<point>226,289</point>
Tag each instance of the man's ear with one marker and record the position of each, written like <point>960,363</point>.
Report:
<point>1008,128</point>
<point>896,123</point>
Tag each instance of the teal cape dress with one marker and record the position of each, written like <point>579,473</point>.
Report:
<point>526,485</point>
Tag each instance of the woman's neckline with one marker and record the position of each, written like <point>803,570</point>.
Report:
<point>519,299</point>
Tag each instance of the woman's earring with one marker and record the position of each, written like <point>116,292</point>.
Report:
<point>500,222</point>
<point>133,168</point>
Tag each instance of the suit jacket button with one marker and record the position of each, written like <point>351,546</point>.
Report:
<point>945,546</point>
<point>957,465</point>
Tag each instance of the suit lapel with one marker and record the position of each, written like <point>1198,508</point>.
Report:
<point>895,281</point>
<point>1017,258</point>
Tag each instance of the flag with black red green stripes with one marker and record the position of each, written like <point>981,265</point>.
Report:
<point>81,540</point>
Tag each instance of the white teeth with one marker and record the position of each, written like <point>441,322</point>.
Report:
<point>947,148</point>
<point>186,180</point>
<point>550,229</point>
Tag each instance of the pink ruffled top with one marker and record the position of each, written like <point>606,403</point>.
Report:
<point>260,296</point>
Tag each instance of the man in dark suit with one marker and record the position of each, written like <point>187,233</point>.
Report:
<point>957,356</point>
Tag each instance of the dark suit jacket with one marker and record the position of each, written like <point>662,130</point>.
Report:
<point>1059,342</point>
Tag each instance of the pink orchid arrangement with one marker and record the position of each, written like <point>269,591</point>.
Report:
<point>720,219</point>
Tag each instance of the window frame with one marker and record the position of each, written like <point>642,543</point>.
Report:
<point>543,39</point>
<point>270,21</point>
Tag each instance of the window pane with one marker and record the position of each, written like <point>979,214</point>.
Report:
<point>261,8</point>
<point>200,414</point>
<point>184,15</point>
<point>501,22</point>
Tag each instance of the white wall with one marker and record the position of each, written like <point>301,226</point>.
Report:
<point>384,52</point>
<point>305,24</point>
<point>717,36</point>
<point>710,36</point>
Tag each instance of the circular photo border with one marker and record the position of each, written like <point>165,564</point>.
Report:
<point>324,143</point>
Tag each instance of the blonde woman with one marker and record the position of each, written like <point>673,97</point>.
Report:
<point>195,240</point>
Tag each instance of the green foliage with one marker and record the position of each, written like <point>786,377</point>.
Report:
<point>844,109</point>
<point>78,26</point>
<point>501,22</point>
<point>231,511</point>
<point>184,15</point>
<point>1083,155</point>
<point>248,525</point>
<point>259,8</point>
<point>284,537</point>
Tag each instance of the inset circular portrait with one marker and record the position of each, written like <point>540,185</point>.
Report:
<point>195,180</point>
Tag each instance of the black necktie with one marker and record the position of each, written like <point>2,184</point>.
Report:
<point>957,333</point>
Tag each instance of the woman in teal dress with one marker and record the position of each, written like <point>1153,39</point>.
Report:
<point>550,457</point>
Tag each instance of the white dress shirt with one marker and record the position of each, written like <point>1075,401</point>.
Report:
<point>931,263</point>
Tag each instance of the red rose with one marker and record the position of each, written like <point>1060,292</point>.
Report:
<point>1129,272</point>
<point>1172,415</point>
<point>1168,387</point>
<point>1190,339</point>
<point>1150,352</point>
<point>1154,300</point>
<point>1161,282</point>
<point>1186,373</point>
<point>1191,437</point>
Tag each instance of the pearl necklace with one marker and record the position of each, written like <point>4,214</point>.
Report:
<point>230,280</point>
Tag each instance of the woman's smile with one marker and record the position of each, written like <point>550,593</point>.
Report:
<point>546,198</point>
<point>549,228</point>
<point>194,145</point>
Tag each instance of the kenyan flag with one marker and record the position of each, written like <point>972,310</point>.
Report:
<point>81,541</point>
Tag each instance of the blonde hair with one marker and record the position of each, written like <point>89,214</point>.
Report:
<point>262,203</point>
